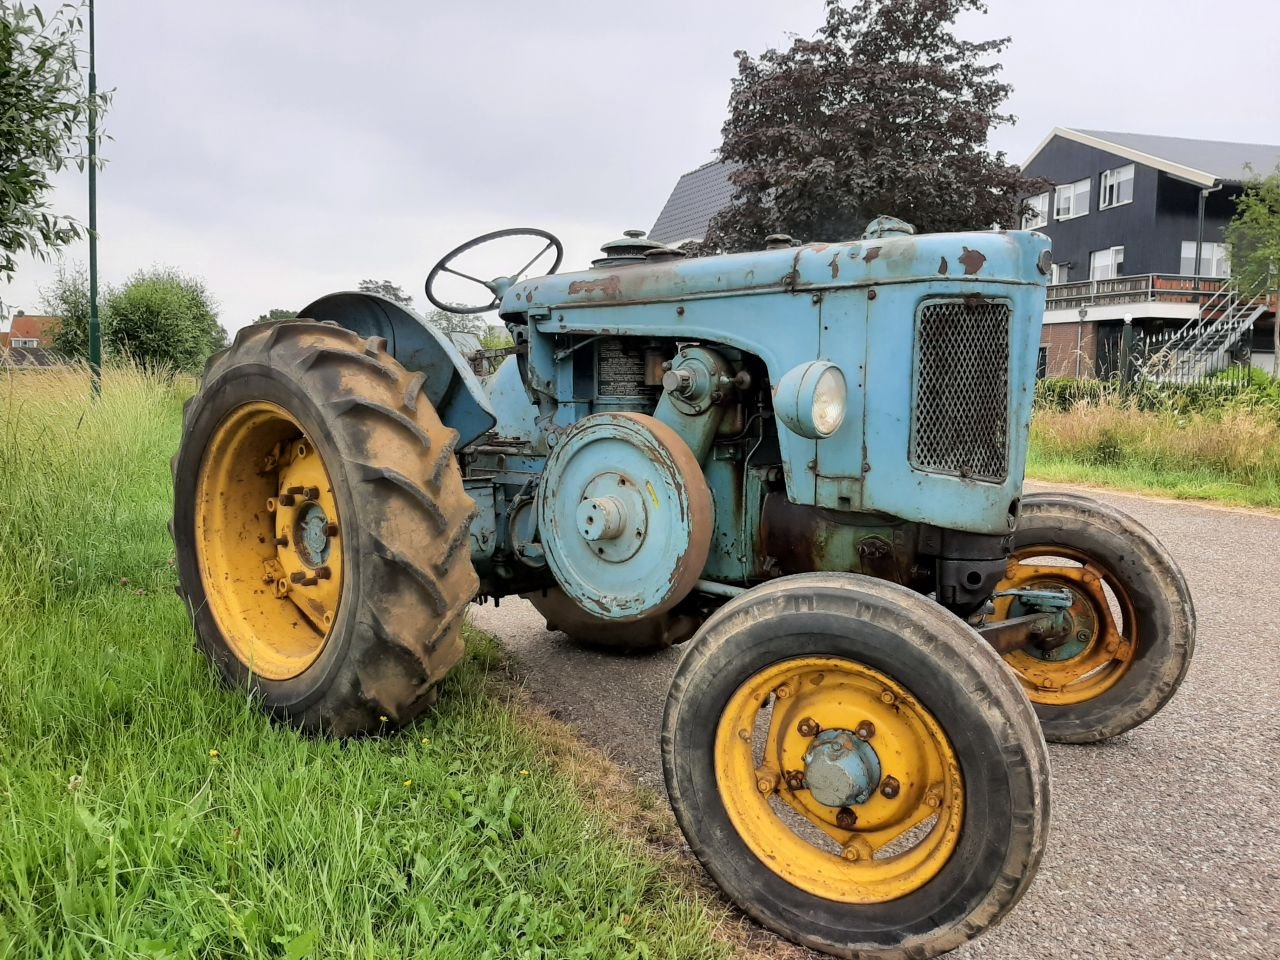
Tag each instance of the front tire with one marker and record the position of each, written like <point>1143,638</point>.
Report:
<point>1134,621</point>
<point>320,526</point>
<point>958,754</point>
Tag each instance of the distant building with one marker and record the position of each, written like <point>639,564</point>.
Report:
<point>698,196</point>
<point>28,342</point>
<point>1137,223</point>
<point>30,332</point>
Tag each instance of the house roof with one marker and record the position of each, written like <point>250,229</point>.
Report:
<point>29,327</point>
<point>28,357</point>
<point>698,196</point>
<point>1202,162</point>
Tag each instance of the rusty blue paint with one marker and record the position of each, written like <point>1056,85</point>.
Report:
<point>785,307</point>
<point>840,769</point>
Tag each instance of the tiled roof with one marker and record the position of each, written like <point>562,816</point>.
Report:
<point>28,357</point>
<point>698,196</point>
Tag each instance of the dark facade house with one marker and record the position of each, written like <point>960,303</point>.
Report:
<point>1137,224</point>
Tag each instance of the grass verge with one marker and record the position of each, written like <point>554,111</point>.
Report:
<point>145,812</point>
<point>1229,456</point>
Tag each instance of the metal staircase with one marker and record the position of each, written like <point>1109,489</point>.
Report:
<point>1203,346</point>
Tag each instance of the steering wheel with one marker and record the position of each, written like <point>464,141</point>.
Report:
<point>498,285</point>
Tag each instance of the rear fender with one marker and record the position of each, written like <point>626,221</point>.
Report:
<point>453,389</point>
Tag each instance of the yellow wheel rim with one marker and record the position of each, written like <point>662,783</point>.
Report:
<point>897,840</point>
<point>1103,639</point>
<point>267,536</point>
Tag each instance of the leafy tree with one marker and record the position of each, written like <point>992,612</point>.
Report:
<point>1253,242</point>
<point>385,288</point>
<point>496,338</point>
<point>67,298</point>
<point>884,111</point>
<point>43,122</point>
<point>448,322</point>
<point>164,318</point>
<point>1253,236</point>
<point>276,313</point>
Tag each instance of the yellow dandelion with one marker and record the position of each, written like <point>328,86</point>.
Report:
<point>382,719</point>
<point>426,741</point>
<point>408,784</point>
<point>524,773</point>
<point>214,754</point>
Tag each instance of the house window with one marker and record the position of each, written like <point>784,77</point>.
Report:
<point>1071,200</point>
<point>1039,213</point>
<point>1058,272</point>
<point>20,342</point>
<point>1106,264</point>
<point>1042,363</point>
<point>1213,259</point>
<point>1115,187</point>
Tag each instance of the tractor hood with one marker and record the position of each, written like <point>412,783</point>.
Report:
<point>1014,257</point>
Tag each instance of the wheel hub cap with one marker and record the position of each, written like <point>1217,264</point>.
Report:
<point>312,540</point>
<point>841,770</point>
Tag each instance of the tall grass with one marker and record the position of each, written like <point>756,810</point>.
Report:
<point>1231,453</point>
<point>145,812</point>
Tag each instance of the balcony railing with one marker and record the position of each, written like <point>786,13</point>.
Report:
<point>1143,288</point>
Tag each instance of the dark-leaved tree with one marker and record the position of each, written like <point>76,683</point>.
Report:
<point>884,111</point>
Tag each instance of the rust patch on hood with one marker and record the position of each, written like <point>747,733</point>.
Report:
<point>972,261</point>
<point>835,266</point>
<point>872,253</point>
<point>943,267</point>
<point>610,286</point>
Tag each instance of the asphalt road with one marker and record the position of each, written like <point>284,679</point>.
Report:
<point>1165,841</point>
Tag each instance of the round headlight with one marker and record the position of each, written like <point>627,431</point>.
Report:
<point>812,399</point>
<point>830,400</point>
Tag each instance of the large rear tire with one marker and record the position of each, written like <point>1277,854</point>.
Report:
<point>817,683</point>
<point>321,527</point>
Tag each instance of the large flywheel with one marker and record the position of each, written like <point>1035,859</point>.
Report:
<point>625,516</point>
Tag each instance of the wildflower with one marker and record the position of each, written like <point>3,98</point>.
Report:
<point>524,773</point>
<point>382,719</point>
<point>408,784</point>
<point>124,581</point>
<point>74,783</point>
<point>214,754</point>
<point>426,741</point>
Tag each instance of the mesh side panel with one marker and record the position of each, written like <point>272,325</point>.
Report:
<point>960,424</point>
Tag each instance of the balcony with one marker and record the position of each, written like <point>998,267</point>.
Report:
<point>1143,288</point>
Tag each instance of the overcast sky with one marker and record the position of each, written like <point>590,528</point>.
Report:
<point>286,148</point>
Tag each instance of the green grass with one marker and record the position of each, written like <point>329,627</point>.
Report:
<point>1229,455</point>
<point>146,812</point>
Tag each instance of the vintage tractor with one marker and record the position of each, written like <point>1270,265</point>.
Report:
<point>807,460</point>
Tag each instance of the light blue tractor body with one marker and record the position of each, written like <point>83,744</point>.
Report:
<point>935,337</point>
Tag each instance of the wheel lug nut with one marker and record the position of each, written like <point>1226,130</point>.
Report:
<point>808,727</point>
<point>323,573</point>
<point>795,780</point>
<point>282,587</point>
<point>866,730</point>
<point>782,692</point>
<point>933,801</point>
<point>889,787</point>
<point>887,697</point>
<point>282,541</point>
<point>302,579</point>
<point>271,504</point>
<point>766,784</point>
<point>286,500</point>
<point>846,819</point>
<point>849,853</point>
<point>330,529</point>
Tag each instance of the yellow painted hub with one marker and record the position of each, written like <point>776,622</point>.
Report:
<point>897,840</point>
<point>1105,624</point>
<point>268,538</point>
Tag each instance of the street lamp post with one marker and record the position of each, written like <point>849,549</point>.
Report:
<point>95,328</point>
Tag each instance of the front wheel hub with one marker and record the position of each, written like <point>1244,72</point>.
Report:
<point>841,770</point>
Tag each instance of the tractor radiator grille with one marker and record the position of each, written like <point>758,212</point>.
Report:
<point>960,424</point>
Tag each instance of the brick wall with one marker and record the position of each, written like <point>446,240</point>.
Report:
<point>1061,341</point>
